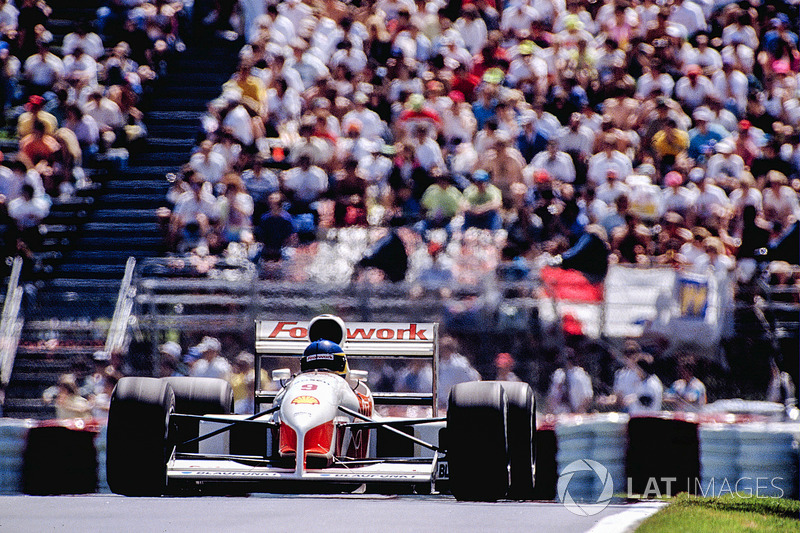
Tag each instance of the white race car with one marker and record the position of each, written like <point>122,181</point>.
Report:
<point>321,432</point>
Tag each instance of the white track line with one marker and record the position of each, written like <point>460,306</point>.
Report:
<point>628,519</point>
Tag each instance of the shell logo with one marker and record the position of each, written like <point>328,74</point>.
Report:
<point>305,400</point>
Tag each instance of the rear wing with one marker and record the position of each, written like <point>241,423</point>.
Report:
<point>403,340</point>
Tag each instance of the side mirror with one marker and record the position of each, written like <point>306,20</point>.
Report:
<point>281,374</point>
<point>359,375</point>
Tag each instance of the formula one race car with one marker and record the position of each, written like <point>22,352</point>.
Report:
<point>320,432</point>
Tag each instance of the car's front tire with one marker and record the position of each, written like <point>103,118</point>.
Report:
<point>477,443</point>
<point>521,423</point>
<point>201,396</point>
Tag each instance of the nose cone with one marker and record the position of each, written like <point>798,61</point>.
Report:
<point>309,403</point>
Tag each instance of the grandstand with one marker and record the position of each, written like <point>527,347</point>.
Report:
<point>384,120</point>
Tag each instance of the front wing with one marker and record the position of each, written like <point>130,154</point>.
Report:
<point>221,470</point>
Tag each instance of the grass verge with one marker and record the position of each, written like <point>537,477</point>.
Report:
<point>730,513</point>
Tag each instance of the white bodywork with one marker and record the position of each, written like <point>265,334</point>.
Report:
<point>311,400</point>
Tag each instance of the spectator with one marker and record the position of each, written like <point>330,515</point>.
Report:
<point>435,278</point>
<point>84,127</point>
<point>85,39</point>
<point>693,89</point>
<point>67,399</point>
<point>8,18</point>
<point>636,388</point>
<point>725,163</point>
<point>504,365</point>
<point>458,121</point>
<point>372,126</point>
<point>556,163</point>
<point>610,157</point>
<point>170,360</point>
<point>304,185</point>
<point>42,70</point>
<point>589,255</point>
<point>260,183</point>
<point>676,197</point>
<point>570,386</point>
<point>387,255</point>
<point>483,202</point>
<point>315,148</point>
<point>442,201</point>
<point>349,196</point>
<point>704,136</point>
<point>454,368</point>
<point>38,146</point>
<point>732,85</point>
<point>781,389</point>
<point>34,111</point>
<point>274,229</point>
<point>208,163</point>
<point>631,241</point>
<point>194,216</point>
<point>27,211</point>
<point>243,383</point>
<point>235,208</point>
<point>780,200</point>
<point>687,393</point>
<point>80,66</point>
<point>710,200</point>
<point>669,143</point>
<point>506,166</point>
<point>612,188</point>
<point>427,152</point>
<point>247,85</point>
<point>211,363</point>
<point>109,119</point>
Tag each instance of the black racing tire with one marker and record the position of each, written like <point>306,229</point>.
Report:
<point>521,423</point>
<point>197,396</point>
<point>201,396</point>
<point>137,447</point>
<point>477,443</point>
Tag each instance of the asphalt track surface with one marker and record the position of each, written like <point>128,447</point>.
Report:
<point>276,513</point>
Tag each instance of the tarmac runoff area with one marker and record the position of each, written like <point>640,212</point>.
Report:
<point>304,513</point>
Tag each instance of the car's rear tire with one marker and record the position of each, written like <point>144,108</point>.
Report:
<point>138,447</point>
<point>477,444</point>
<point>201,396</point>
<point>521,424</point>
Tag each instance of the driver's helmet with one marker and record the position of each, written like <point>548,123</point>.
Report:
<point>324,355</point>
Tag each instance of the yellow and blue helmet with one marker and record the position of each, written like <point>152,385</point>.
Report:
<point>324,355</point>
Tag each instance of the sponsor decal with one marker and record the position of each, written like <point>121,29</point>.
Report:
<point>319,356</point>
<point>693,295</point>
<point>365,404</point>
<point>357,475</point>
<point>228,473</point>
<point>443,471</point>
<point>358,331</point>
<point>305,400</point>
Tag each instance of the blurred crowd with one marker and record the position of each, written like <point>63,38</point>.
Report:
<point>640,132</point>
<point>69,101</point>
<point>554,132</point>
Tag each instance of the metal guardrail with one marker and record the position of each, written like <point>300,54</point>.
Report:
<point>118,330</point>
<point>171,297</point>
<point>10,323</point>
